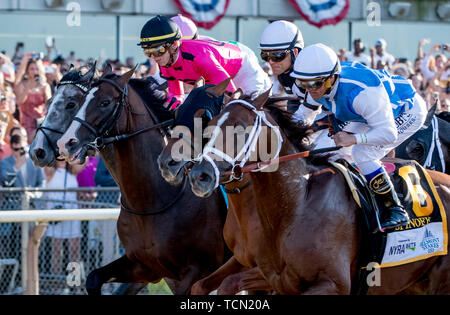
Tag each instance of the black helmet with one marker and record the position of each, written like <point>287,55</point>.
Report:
<point>159,29</point>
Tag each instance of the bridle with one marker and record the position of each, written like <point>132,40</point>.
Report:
<point>102,139</point>
<point>43,129</point>
<point>101,135</point>
<point>246,150</point>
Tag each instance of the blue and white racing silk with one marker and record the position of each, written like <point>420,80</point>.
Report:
<point>371,97</point>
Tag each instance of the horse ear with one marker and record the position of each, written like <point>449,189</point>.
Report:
<point>431,113</point>
<point>220,88</point>
<point>200,82</point>
<point>233,96</point>
<point>124,78</point>
<point>87,77</point>
<point>261,99</point>
<point>107,70</point>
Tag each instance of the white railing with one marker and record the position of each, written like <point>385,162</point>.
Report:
<point>30,243</point>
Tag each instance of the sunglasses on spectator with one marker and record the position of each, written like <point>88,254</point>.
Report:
<point>276,56</point>
<point>156,51</point>
<point>17,149</point>
<point>311,85</point>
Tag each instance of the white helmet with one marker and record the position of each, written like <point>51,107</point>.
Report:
<point>281,35</point>
<point>187,27</point>
<point>316,61</point>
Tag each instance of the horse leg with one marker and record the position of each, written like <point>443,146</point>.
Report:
<point>251,279</point>
<point>120,270</point>
<point>191,275</point>
<point>206,285</point>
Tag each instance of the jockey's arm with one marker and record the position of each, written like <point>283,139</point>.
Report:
<point>374,106</point>
<point>176,93</point>
<point>308,111</point>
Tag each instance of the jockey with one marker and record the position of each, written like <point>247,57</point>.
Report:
<point>384,110</point>
<point>188,60</point>
<point>280,43</point>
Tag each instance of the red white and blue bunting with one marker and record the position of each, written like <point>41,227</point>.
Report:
<point>322,12</point>
<point>204,13</point>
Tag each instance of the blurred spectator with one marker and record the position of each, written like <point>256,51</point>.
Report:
<point>86,179</point>
<point>381,55</point>
<point>5,148</point>
<point>357,54</point>
<point>53,76</point>
<point>129,62</point>
<point>32,91</point>
<point>72,59</point>
<point>18,170</point>
<point>19,53</point>
<point>63,175</point>
<point>430,65</point>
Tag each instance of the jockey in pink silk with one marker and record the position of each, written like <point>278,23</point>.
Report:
<point>188,60</point>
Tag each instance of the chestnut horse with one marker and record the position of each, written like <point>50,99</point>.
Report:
<point>166,231</point>
<point>311,224</point>
<point>242,229</point>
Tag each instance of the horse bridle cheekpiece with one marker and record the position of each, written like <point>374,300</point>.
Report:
<point>247,148</point>
<point>98,142</point>
<point>41,128</point>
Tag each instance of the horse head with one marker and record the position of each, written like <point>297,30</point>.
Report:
<point>234,136</point>
<point>61,109</point>
<point>203,103</point>
<point>98,114</point>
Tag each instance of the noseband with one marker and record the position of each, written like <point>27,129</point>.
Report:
<point>248,147</point>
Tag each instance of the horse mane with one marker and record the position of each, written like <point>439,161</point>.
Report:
<point>296,132</point>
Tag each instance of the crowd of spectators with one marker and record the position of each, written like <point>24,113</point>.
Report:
<point>429,72</point>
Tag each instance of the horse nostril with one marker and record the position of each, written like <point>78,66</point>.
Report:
<point>172,163</point>
<point>203,177</point>
<point>40,154</point>
<point>71,142</point>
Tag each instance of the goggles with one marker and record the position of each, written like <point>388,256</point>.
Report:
<point>274,56</point>
<point>156,51</point>
<point>311,85</point>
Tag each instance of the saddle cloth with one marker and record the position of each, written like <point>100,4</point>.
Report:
<point>425,235</point>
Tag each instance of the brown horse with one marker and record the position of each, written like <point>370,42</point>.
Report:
<point>311,224</point>
<point>165,230</point>
<point>242,229</point>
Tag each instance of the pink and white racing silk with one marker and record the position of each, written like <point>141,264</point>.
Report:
<point>215,61</point>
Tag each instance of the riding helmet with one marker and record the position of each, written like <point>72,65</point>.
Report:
<point>158,30</point>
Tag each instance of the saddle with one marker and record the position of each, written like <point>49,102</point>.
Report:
<point>425,236</point>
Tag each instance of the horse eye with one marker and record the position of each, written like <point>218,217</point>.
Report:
<point>105,103</point>
<point>70,105</point>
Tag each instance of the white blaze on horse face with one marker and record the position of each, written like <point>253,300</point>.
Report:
<point>75,125</point>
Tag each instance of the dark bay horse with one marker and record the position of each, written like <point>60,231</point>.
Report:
<point>242,228</point>
<point>311,226</point>
<point>430,146</point>
<point>62,108</point>
<point>166,230</point>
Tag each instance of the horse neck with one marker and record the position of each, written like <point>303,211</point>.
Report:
<point>133,161</point>
<point>277,192</point>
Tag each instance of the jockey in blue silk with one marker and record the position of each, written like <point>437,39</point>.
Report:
<point>384,111</point>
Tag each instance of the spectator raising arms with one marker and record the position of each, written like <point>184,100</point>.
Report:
<point>32,91</point>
